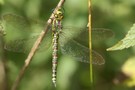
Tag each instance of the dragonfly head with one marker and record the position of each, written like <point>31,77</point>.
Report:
<point>59,14</point>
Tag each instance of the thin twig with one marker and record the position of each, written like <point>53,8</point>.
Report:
<point>90,43</point>
<point>34,48</point>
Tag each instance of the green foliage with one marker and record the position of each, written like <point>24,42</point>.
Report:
<point>117,15</point>
<point>126,42</point>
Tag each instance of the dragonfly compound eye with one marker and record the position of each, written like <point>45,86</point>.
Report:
<point>58,15</point>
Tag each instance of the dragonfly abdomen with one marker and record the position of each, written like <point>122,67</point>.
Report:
<point>55,57</point>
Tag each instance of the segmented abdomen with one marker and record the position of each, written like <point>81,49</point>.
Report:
<point>55,56</point>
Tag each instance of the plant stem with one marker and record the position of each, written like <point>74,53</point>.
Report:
<point>90,43</point>
<point>34,48</point>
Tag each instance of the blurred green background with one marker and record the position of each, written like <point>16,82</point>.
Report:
<point>116,74</point>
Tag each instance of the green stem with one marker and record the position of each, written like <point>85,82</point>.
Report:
<point>90,44</point>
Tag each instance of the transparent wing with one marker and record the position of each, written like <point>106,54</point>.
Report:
<point>24,45</point>
<point>81,34</point>
<point>22,33</point>
<point>101,33</point>
<point>80,52</point>
<point>19,27</point>
<point>74,42</point>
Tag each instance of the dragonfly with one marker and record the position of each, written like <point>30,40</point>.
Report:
<point>21,33</point>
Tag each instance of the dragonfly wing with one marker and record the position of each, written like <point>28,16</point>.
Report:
<point>22,33</point>
<point>24,45</point>
<point>74,42</point>
<point>80,52</point>
<point>81,34</point>
<point>17,27</point>
<point>97,58</point>
<point>101,33</point>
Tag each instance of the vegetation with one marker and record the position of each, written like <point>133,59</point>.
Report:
<point>116,74</point>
